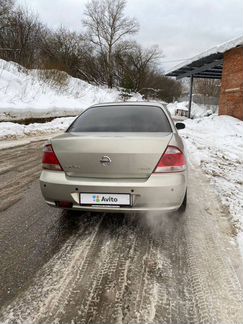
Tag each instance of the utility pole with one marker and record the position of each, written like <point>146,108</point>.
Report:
<point>190,96</point>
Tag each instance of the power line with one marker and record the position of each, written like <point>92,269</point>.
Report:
<point>179,60</point>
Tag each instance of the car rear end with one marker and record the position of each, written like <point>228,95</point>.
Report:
<point>117,157</point>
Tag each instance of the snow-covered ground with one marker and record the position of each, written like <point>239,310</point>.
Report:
<point>34,93</point>
<point>215,144</point>
<point>9,130</point>
<point>196,110</point>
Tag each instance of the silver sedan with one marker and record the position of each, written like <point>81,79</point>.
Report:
<point>125,157</point>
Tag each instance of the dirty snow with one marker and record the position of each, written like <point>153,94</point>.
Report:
<point>215,144</point>
<point>26,93</point>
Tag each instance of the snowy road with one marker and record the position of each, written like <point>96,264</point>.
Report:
<point>93,268</point>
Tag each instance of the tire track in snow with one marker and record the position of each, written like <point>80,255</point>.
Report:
<point>217,282</point>
<point>52,281</point>
<point>20,166</point>
<point>121,269</point>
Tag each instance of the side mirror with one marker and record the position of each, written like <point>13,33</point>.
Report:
<point>180,125</point>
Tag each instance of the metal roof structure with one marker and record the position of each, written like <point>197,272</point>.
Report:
<point>208,64</point>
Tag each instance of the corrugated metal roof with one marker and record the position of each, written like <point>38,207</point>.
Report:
<point>208,64</point>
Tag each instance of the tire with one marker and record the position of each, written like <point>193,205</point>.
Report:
<point>183,205</point>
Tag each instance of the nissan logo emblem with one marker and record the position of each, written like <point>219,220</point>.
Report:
<point>105,160</point>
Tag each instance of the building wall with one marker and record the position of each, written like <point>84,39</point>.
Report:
<point>231,96</point>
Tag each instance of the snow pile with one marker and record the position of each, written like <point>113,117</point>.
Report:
<point>215,144</point>
<point>32,93</point>
<point>10,130</point>
<point>196,110</point>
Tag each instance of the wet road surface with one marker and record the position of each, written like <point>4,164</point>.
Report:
<point>111,268</point>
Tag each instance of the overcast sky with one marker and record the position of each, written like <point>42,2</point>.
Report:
<point>181,28</point>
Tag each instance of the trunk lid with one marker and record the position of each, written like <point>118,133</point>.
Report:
<point>113,155</point>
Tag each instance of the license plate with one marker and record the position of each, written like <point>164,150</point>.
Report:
<point>105,199</point>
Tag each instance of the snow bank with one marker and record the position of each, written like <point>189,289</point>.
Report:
<point>10,130</point>
<point>215,144</point>
<point>196,110</point>
<point>31,93</point>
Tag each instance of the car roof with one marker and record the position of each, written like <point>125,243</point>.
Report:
<point>130,103</point>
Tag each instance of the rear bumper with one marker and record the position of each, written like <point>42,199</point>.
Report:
<point>161,192</point>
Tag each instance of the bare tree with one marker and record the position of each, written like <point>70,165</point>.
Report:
<point>70,52</point>
<point>207,87</point>
<point>168,89</point>
<point>22,36</point>
<point>103,55</point>
<point>6,7</point>
<point>107,26</point>
<point>135,64</point>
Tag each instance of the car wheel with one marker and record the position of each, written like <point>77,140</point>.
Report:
<point>184,204</point>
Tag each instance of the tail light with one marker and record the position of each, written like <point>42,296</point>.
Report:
<point>173,160</point>
<point>50,160</point>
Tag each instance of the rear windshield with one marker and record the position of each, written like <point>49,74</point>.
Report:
<point>122,119</point>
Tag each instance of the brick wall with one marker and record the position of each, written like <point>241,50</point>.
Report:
<point>231,97</point>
